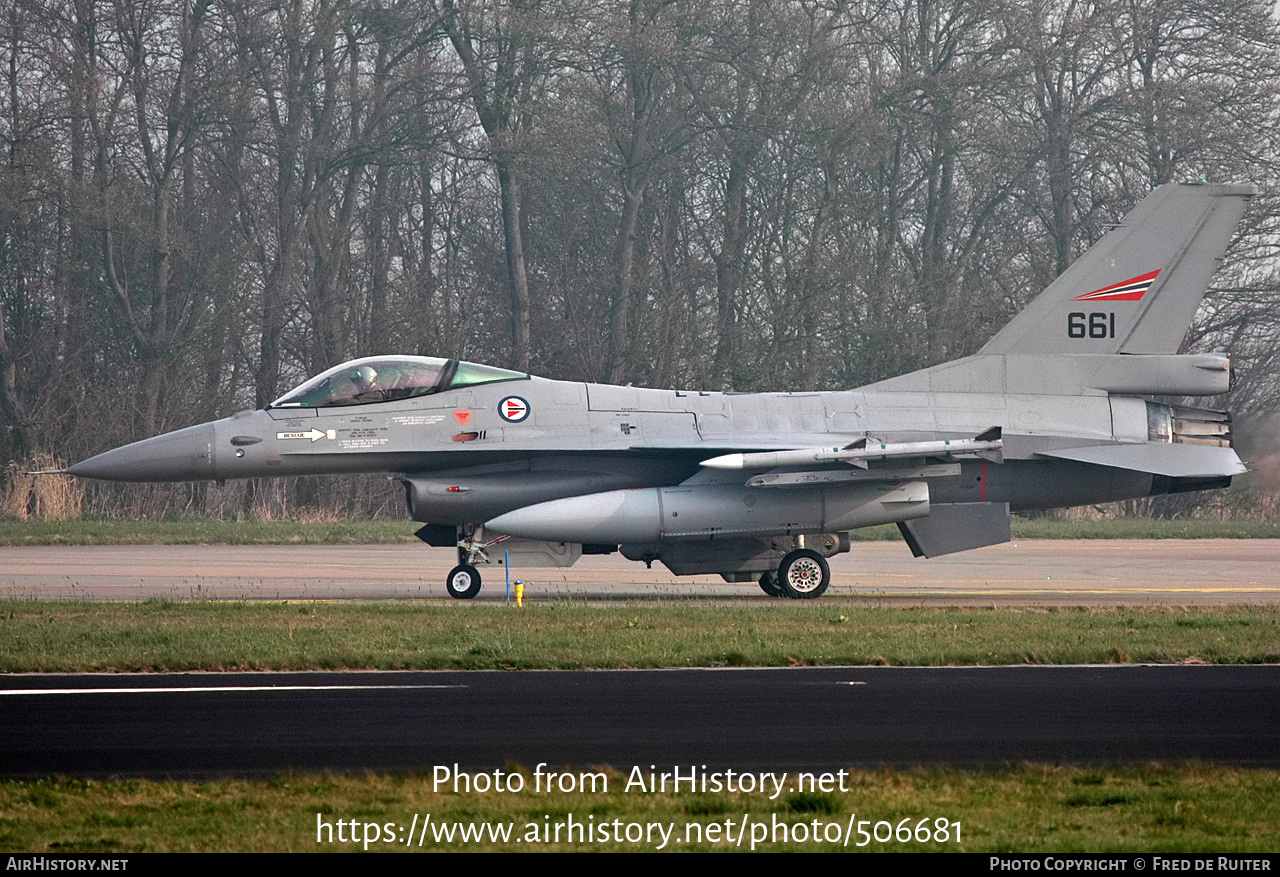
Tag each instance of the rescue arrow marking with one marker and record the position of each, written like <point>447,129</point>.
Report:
<point>314,434</point>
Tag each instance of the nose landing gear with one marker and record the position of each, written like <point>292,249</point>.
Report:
<point>463,582</point>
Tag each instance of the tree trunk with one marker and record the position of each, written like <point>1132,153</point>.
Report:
<point>517,274</point>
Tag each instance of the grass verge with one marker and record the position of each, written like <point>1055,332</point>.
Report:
<point>1145,809</point>
<point>172,636</point>
<point>204,531</point>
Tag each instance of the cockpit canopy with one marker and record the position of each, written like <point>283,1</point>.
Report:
<point>389,378</point>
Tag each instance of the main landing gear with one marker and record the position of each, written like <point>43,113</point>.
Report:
<point>769,584</point>
<point>802,575</point>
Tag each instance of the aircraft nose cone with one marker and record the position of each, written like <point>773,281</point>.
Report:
<point>184,455</point>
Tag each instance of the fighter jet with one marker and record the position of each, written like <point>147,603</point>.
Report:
<point>1052,412</point>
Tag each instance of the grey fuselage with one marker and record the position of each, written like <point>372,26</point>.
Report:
<point>583,438</point>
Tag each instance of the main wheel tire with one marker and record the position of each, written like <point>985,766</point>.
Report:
<point>463,582</point>
<point>804,575</point>
<point>769,584</point>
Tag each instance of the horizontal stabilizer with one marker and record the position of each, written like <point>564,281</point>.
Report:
<point>1158,458</point>
<point>952,527</point>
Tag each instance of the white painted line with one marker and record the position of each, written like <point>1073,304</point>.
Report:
<point>216,688</point>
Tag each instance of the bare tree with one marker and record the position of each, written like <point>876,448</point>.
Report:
<point>507,53</point>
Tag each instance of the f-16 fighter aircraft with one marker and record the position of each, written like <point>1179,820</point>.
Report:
<point>766,486</point>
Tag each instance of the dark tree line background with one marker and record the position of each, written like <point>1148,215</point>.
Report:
<point>204,201</point>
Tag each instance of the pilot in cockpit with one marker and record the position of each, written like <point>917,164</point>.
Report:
<point>363,384</point>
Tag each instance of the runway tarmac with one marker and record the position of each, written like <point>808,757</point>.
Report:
<point>814,719</point>
<point>1031,572</point>
<point>818,719</point>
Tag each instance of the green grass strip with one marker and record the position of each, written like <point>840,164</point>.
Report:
<point>172,636</point>
<point>204,531</point>
<point>1167,809</point>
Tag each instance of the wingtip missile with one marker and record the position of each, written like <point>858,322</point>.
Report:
<point>728,461</point>
<point>859,452</point>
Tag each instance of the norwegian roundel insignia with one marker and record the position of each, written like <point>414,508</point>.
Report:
<point>513,409</point>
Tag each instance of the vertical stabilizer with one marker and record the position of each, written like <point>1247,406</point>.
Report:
<point>1137,289</point>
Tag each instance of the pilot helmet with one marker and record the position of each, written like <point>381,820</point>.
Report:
<point>363,377</point>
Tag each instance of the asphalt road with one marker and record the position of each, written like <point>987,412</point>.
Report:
<point>793,719</point>
<point>819,719</point>
<point>1034,572</point>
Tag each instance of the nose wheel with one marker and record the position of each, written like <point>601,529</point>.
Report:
<point>803,575</point>
<point>463,582</point>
